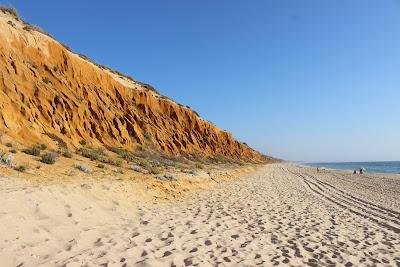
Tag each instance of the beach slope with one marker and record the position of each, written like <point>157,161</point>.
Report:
<point>281,214</point>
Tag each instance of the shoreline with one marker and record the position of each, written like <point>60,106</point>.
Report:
<point>366,166</point>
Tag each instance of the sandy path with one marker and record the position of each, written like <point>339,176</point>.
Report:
<point>280,215</point>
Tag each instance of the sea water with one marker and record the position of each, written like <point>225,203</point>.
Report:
<point>377,166</point>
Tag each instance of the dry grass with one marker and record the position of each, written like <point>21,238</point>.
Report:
<point>82,167</point>
<point>7,159</point>
<point>10,10</point>
<point>29,27</point>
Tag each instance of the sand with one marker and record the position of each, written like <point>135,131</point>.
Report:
<point>281,214</point>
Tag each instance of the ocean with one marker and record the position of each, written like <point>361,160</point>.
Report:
<point>377,166</point>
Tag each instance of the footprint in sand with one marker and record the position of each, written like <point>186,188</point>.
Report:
<point>208,243</point>
<point>193,250</point>
<point>98,243</point>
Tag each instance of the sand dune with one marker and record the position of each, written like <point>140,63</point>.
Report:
<point>280,215</point>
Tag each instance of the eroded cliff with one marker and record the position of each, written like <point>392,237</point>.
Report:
<point>50,94</point>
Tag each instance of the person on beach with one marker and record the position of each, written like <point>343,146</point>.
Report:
<point>361,171</point>
<point>317,169</point>
<point>355,172</point>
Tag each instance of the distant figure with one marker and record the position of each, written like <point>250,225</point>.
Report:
<point>361,171</point>
<point>317,169</point>
<point>355,172</point>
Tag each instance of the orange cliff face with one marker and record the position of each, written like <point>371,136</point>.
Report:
<point>49,93</point>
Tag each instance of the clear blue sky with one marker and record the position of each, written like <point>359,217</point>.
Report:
<point>301,80</point>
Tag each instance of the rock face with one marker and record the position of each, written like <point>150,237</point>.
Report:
<point>48,94</point>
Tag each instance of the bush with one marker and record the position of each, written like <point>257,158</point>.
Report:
<point>82,167</point>
<point>125,154</point>
<point>154,170</point>
<point>20,168</point>
<point>98,154</point>
<point>49,158</point>
<point>93,154</point>
<point>82,142</point>
<point>115,162</point>
<point>67,154</point>
<point>199,166</point>
<point>144,163</point>
<point>42,146</point>
<point>13,151</point>
<point>9,145</point>
<point>101,166</point>
<point>34,151</point>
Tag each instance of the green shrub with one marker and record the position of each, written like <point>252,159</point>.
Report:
<point>116,150</point>
<point>107,160</point>
<point>9,145</point>
<point>34,151</point>
<point>20,168</point>
<point>82,142</point>
<point>98,154</point>
<point>13,151</point>
<point>49,158</point>
<point>144,163</point>
<point>199,166</point>
<point>93,154</point>
<point>154,170</point>
<point>42,146</point>
<point>125,154</point>
<point>67,154</point>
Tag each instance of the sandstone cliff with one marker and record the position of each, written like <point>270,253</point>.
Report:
<point>50,94</point>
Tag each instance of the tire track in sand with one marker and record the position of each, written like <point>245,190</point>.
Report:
<point>379,215</point>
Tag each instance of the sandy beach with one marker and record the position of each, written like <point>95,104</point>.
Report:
<point>282,214</point>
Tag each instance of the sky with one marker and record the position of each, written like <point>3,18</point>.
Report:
<point>308,80</point>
